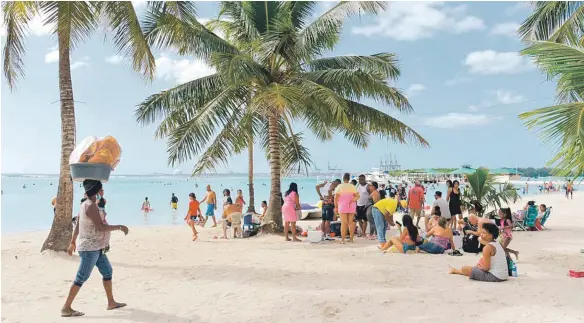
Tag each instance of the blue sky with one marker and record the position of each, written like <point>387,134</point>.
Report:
<point>459,64</point>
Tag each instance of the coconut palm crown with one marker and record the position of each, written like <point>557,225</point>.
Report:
<point>271,75</point>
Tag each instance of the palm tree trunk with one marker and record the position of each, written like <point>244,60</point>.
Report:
<point>274,213</point>
<point>251,206</point>
<point>60,234</point>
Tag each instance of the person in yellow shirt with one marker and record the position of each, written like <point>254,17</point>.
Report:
<point>382,213</point>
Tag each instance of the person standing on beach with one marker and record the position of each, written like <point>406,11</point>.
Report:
<point>174,202</point>
<point>54,204</point>
<point>211,200</point>
<point>346,197</point>
<point>93,232</point>
<point>328,207</point>
<point>193,214</point>
<point>444,208</point>
<point>374,197</point>
<point>239,199</point>
<point>416,201</point>
<point>361,217</point>
<point>289,208</point>
<point>454,203</point>
<point>229,210</point>
<point>570,189</point>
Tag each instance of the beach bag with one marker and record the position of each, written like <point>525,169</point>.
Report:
<point>471,244</point>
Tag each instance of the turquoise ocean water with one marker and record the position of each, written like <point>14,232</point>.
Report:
<point>29,209</point>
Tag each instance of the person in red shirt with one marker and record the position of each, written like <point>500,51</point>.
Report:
<point>416,201</point>
<point>193,213</point>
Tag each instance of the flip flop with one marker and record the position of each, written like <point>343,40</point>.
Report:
<point>118,305</point>
<point>576,274</point>
<point>73,313</point>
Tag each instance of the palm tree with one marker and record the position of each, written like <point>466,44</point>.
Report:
<point>73,23</point>
<point>483,189</point>
<point>555,34</point>
<point>271,75</point>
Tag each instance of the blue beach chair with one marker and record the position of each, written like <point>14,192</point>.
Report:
<point>530,217</point>
<point>249,228</point>
<point>545,216</point>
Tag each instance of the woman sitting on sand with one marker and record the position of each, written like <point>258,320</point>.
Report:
<point>492,266</point>
<point>408,238</point>
<point>441,236</point>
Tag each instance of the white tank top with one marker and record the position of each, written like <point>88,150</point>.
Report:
<point>499,266</point>
<point>90,239</point>
<point>363,195</point>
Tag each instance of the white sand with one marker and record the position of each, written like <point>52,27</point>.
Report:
<point>165,277</point>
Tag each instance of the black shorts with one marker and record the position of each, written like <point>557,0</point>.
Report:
<point>194,218</point>
<point>328,213</point>
<point>361,213</point>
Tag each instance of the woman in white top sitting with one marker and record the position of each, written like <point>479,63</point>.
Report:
<point>492,266</point>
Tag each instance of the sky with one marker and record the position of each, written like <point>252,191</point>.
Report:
<point>459,64</point>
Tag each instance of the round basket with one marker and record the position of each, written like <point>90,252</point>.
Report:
<point>83,171</point>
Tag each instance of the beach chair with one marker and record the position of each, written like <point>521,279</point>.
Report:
<point>545,216</point>
<point>530,217</point>
<point>249,228</point>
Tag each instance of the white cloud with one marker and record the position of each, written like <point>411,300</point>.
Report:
<point>490,62</point>
<point>52,56</point>
<point>452,120</point>
<point>84,61</point>
<point>509,97</point>
<point>410,21</point>
<point>182,70</point>
<point>37,26</point>
<point>508,29</point>
<point>114,59</point>
<point>138,3</point>
<point>415,89</point>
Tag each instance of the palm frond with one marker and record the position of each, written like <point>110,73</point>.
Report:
<point>74,20</point>
<point>383,125</point>
<point>189,95</point>
<point>127,34</point>
<point>17,16</point>
<point>188,139</point>
<point>555,21</point>
<point>559,60</point>
<point>324,32</point>
<point>382,63</point>
<point>357,85</point>
<point>179,29</point>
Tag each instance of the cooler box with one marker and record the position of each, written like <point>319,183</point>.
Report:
<point>314,236</point>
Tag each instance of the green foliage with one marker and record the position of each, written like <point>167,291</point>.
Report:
<point>555,35</point>
<point>483,189</point>
<point>270,64</point>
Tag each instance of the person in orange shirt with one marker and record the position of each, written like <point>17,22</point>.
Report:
<point>416,201</point>
<point>193,213</point>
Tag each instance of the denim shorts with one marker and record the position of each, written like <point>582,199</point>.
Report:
<point>430,247</point>
<point>90,259</point>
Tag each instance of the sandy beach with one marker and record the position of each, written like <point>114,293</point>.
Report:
<point>165,277</point>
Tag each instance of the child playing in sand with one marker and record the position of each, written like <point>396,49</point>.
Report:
<point>193,214</point>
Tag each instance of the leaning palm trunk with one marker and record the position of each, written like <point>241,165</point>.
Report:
<point>274,213</point>
<point>60,234</point>
<point>251,207</point>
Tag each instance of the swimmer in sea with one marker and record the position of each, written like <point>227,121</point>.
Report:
<point>174,202</point>
<point>146,206</point>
